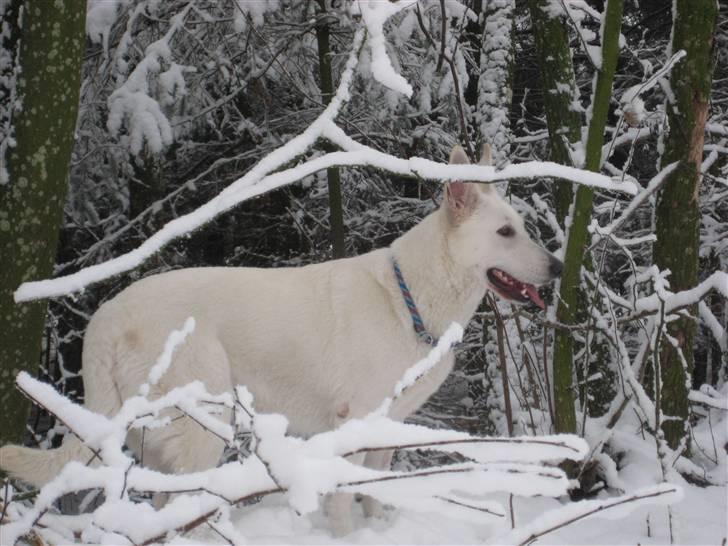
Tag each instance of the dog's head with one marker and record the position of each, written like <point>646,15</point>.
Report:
<point>485,233</point>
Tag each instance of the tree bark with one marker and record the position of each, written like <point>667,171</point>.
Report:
<point>48,40</point>
<point>563,118</point>
<point>677,212</point>
<point>336,212</point>
<point>563,363</point>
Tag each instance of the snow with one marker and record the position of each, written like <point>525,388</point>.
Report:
<point>132,107</point>
<point>162,364</point>
<point>255,11</point>
<point>494,92</point>
<point>100,17</point>
<point>708,399</point>
<point>453,335</point>
<point>717,281</point>
<point>374,14</point>
<point>462,502</point>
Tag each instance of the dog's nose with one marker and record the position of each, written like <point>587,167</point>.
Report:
<point>556,267</point>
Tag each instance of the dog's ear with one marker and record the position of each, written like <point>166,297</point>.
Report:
<point>460,197</point>
<point>486,158</point>
<point>458,156</point>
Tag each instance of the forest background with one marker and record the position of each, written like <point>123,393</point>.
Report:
<point>177,100</point>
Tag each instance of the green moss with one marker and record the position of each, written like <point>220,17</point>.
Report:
<point>566,311</point>
<point>48,93</point>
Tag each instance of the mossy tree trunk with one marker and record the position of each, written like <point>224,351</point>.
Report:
<point>677,212</point>
<point>336,209</point>
<point>48,39</point>
<point>551,35</point>
<point>566,311</point>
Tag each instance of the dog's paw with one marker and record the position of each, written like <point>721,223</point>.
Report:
<point>373,508</point>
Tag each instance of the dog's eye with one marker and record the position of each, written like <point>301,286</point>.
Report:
<point>506,231</point>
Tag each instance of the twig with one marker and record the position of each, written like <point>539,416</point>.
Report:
<point>96,453</point>
<point>606,506</point>
<point>503,366</point>
<point>455,81</point>
<point>444,470</point>
<point>655,184</point>
<point>443,35</point>
<point>547,380</point>
<point>6,501</point>
<point>256,443</point>
<point>220,533</point>
<point>513,517</point>
<point>425,445</point>
<point>465,505</point>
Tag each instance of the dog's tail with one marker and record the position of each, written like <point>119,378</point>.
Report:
<point>39,466</point>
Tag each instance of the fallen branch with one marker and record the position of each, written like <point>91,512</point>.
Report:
<point>561,517</point>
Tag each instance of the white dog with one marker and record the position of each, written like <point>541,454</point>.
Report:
<point>319,344</point>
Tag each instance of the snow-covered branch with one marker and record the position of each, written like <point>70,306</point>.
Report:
<point>660,494</point>
<point>260,180</point>
<point>302,469</point>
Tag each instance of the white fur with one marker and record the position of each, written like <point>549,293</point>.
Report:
<point>306,341</point>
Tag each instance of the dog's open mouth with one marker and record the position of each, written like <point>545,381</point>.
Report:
<point>512,289</point>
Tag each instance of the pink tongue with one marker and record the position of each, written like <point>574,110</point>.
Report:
<point>532,292</point>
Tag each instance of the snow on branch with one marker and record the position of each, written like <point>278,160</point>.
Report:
<point>663,493</point>
<point>453,335</point>
<point>301,469</point>
<point>263,178</point>
<point>374,14</point>
<point>708,396</point>
<point>652,186</point>
<point>131,102</point>
<point>673,301</point>
<point>174,339</point>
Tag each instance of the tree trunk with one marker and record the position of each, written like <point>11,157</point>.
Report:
<point>336,213</point>
<point>563,118</point>
<point>49,38</point>
<point>677,212</point>
<point>495,81</point>
<point>563,367</point>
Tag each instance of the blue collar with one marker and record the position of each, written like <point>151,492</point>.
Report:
<point>417,323</point>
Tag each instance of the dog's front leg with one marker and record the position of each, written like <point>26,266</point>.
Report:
<point>338,506</point>
<point>377,460</point>
<point>338,511</point>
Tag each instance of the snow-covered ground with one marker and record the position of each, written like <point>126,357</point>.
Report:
<point>467,503</point>
<point>700,517</point>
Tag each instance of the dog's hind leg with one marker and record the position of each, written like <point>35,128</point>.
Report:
<point>184,445</point>
<point>377,460</point>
